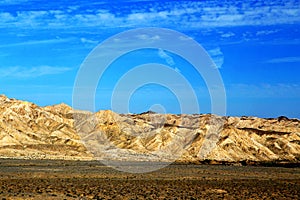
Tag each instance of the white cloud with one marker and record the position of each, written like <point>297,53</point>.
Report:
<point>266,32</point>
<point>268,14</point>
<point>36,42</point>
<point>217,56</point>
<point>84,40</point>
<point>284,60</point>
<point>8,2</point>
<point>138,16</point>
<point>31,72</point>
<point>148,37</point>
<point>185,38</point>
<point>142,36</point>
<point>165,56</point>
<point>6,17</point>
<point>227,35</point>
<point>177,70</point>
<point>73,8</point>
<point>192,14</point>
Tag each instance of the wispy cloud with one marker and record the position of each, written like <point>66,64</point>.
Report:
<point>31,72</point>
<point>187,14</point>
<point>227,35</point>
<point>36,42</point>
<point>164,55</point>
<point>9,2</point>
<point>217,56</point>
<point>148,37</point>
<point>88,41</point>
<point>283,60</point>
<point>266,32</point>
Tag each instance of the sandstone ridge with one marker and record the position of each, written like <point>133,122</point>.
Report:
<point>59,132</point>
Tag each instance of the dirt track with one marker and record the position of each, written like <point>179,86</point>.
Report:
<point>24,179</point>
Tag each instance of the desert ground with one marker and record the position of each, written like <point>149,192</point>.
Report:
<point>58,179</point>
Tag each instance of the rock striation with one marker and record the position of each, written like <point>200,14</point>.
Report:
<point>30,131</point>
<point>59,132</point>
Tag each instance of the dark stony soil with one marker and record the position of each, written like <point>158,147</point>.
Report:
<point>44,179</point>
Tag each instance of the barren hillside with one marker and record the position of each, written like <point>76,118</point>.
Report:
<point>59,132</point>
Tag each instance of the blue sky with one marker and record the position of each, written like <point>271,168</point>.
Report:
<point>254,44</point>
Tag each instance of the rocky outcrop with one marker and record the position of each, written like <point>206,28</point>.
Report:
<point>30,131</point>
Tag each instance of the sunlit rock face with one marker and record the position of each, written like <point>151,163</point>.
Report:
<point>59,132</point>
<point>30,131</point>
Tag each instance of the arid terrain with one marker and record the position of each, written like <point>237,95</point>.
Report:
<point>52,153</point>
<point>59,132</point>
<point>57,179</point>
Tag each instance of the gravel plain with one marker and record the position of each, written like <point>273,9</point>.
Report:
<point>58,179</point>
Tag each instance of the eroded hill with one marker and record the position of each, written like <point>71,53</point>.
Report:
<point>59,132</point>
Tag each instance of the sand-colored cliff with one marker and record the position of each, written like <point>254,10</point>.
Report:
<point>59,132</point>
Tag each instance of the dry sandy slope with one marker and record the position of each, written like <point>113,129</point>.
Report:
<point>30,131</point>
